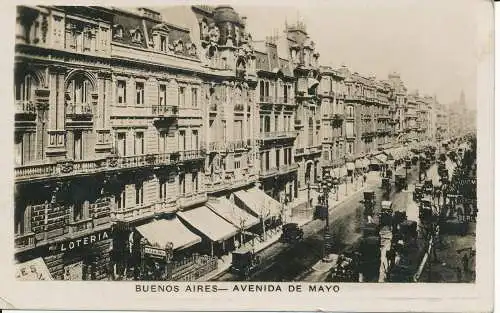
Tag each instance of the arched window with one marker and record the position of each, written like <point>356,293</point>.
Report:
<point>24,87</point>
<point>78,90</point>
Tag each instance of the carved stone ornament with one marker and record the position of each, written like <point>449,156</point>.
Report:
<point>67,167</point>
<point>214,33</point>
<point>113,162</point>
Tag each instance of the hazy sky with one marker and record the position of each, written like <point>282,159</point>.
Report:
<point>432,44</point>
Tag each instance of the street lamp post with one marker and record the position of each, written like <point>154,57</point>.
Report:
<point>308,194</point>
<point>326,185</point>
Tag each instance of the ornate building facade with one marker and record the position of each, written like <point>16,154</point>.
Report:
<point>136,135</point>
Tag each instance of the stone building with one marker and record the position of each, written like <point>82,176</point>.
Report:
<point>171,134</point>
<point>277,134</point>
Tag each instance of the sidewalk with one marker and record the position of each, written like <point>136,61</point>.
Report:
<point>372,181</point>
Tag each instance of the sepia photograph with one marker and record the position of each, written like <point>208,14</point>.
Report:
<point>218,143</point>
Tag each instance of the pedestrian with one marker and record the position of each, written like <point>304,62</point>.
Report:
<point>465,263</point>
<point>364,178</point>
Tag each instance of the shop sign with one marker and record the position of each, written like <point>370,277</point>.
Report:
<point>157,252</point>
<point>83,241</point>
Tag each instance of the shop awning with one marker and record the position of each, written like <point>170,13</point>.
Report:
<point>231,213</point>
<point>379,159</point>
<point>161,232</point>
<point>350,166</point>
<point>35,269</point>
<point>271,206</point>
<point>208,223</point>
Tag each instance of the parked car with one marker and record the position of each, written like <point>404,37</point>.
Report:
<point>245,261</point>
<point>386,213</point>
<point>291,232</point>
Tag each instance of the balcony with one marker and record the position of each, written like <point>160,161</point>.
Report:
<point>237,145</point>
<point>25,109</point>
<point>132,214</point>
<point>266,173</point>
<point>285,101</point>
<point>165,111</point>
<point>266,100</point>
<point>24,241</point>
<point>80,167</point>
<point>300,151</point>
<point>288,168</point>
<point>191,155</point>
<point>78,112</point>
<point>190,199</point>
<point>278,135</point>
<point>166,206</point>
<point>80,227</point>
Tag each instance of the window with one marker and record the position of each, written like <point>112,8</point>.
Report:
<point>267,124</point>
<point>350,111</point>
<point>238,129</point>
<point>262,92</point>
<point>163,189</point>
<point>25,147</point>
<point>182,96</point>
<point>139,143</point>
<point>139,194</point>
<point>120,200</point>
<point>139,92</point>
<point>117,31</point>
<point>122,91</point>
<point>267,160</point>
<point>78,145</point>
<point>163,43</point>
<point>194,97</point>
<point>162,95</point>
<point>262,161</point>
<point>137,36</point>
<point>23,88</point>
<point>162,142</point>
<point>121,144</point>
<point>79,90</point>
<point>195,140</point>
<point>277,158</point>
<point>182,140</point>
<point>237,164</point>
<point>276,123</point>
<point>350,148</point>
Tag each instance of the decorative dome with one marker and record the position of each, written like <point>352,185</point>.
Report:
<point>224,14</point>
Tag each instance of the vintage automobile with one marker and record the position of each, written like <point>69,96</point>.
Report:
<point>408,230</point>
<point>400,182</point>
<point>417,193</point>
<point>345,269</point>
<point>369,202</point>
<point>291,233</point>
<point>386,212</point>
<point>245,261</point>
<point>428,187</point>
<point>425,209</point>
<point>369,264</point>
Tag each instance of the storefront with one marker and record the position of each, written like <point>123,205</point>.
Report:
<point>167,250</point>
<point>85,257</point>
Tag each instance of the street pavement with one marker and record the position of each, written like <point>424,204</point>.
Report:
<point>302,261</point>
